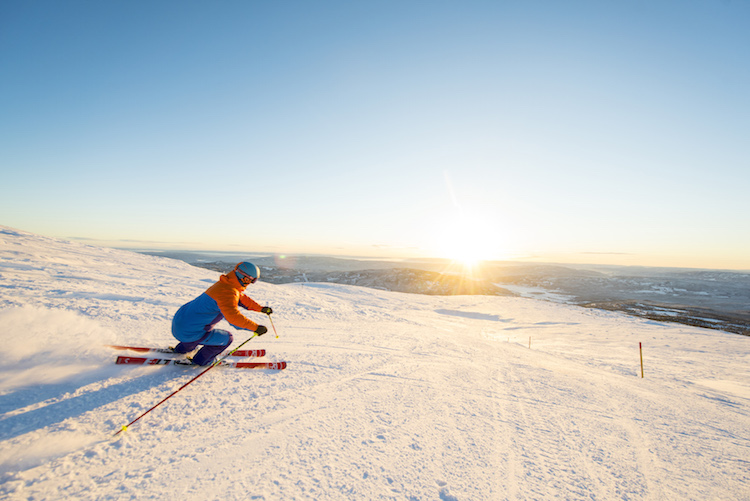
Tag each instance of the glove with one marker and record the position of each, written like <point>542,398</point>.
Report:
<point>267,310</point>
<point>261,330</point>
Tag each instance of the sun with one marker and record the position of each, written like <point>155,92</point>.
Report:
<point>463,250</point>
<point>469,240</point>
<point>469,233</point>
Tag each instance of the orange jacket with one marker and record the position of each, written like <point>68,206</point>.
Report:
<point>228,294</point>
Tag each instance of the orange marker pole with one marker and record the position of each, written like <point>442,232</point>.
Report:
<point>640,349</point>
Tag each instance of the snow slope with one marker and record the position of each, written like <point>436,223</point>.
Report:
<point>387,395</point>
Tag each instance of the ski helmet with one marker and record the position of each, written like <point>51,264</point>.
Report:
<point>247,273</point>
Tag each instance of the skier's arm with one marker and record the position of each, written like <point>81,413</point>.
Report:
<point>249,303</point>
<point>227,301</point>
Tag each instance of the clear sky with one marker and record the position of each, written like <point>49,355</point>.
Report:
<point>579,131</point>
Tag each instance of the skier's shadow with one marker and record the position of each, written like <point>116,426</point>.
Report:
<point>56,412</point>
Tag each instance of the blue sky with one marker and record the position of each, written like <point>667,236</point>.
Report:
<point>581,131</point>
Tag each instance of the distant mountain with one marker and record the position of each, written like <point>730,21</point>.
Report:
<point>713,299</point>
<point>394,279</point>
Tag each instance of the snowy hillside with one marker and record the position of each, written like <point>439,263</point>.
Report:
<point>387,395</point>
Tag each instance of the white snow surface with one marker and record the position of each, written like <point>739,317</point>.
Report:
<point>386,396</point>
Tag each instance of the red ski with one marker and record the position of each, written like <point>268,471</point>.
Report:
<point>145,349</point>
<point>188,363</point>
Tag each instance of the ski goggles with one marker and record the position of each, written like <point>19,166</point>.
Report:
<point>245,279</point>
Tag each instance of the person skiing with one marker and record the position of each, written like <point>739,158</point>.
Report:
<point>194,322</point>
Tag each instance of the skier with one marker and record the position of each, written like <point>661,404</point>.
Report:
<point>194,322</point>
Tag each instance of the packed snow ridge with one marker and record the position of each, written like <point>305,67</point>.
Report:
<point>387,395</point>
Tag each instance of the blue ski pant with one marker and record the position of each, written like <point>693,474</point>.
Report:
<point>214,342</point>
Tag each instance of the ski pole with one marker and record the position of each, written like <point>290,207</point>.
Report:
<point>217,362</point>
<point>274,327</point>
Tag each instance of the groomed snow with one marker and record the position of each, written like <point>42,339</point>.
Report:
<point>387,395</point>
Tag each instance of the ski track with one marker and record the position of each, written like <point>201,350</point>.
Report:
<point>386,396</point>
